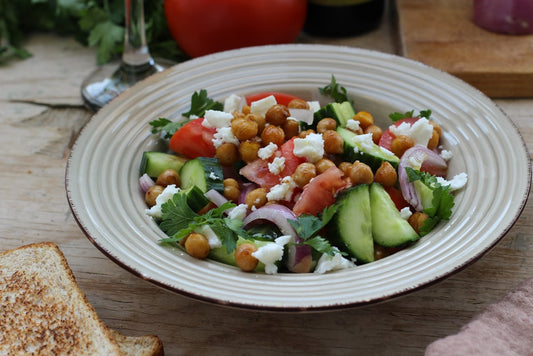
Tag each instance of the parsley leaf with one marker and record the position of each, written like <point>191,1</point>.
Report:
<point>396,116</point>
<point>335,91</point>
<point>166,127</point>
<point>442,201</point>
<point>200,103</point>
<point>176,214</point>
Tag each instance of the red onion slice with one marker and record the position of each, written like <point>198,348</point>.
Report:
<point>429,161</point>
<point>513,17</point>
<point>146,182</point>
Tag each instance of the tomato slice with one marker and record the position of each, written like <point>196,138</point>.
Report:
<point>281,98</point>
<point>397,198</point>
<point>386,139</point>
<point>320,192</point>
<point>258,172</point>
<point>193,140</point>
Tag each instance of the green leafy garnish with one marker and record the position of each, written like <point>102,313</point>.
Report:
<point>335,91</point>
<point>179,220</point>
<point>307,227</point>
<point>200,103</point>
<point>442,202</point>
<point>166,127</point>
<point>396,116</point>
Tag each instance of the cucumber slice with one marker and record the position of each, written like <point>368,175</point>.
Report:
<point>356,148</point>
<point>154,163</point>
<point>352,224</point>
<point>195,198</point>
<point>388,227</point>
<point>203,172</point>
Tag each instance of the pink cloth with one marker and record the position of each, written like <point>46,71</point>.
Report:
<point>504,329</point>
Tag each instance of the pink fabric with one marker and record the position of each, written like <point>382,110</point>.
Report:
<point>504,329</point>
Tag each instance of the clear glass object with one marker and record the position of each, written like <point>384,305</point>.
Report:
<point>109,80</point>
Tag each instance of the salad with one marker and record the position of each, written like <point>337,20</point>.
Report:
<point>272,183</point>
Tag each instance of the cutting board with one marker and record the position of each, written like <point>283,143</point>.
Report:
<point>441,33</point>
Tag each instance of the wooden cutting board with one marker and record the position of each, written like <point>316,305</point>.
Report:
<point>441,33</point>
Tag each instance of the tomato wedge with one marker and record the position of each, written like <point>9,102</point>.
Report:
<point>320,192</point>
<point>386,139</point>
<point>257,171</point>
<point>281,98</point>
<point>397,198</point>
<point>193,140</point>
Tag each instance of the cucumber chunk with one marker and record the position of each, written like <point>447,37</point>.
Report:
<point>366,151</point>
<point>388,227</point>
<point>154,163</point>
<point>340,112</point>
<point>195,198</point>
<point>352,224</point>
<point>203,172</point>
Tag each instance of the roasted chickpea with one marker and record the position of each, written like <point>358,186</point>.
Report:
<point>304,173</point>
<point>246,109</point>
<point>434,140</point>
<point>325,124</point>
<point>197,245</point>
<point>277,115</point>
<point>238,115</point>
<point>291,128</point>
<point>400,144</point>
<point>365,119</point>
<point>244,258</point>
<point>257,198</point>
<point>360,173</point>
<point>227,154</point>
<point>344,166</point>
<point>436,127</point>
<point>168,177</point>
<point>376,132</point>
<point>333,142</point>
<point>323,165</point>
<point>259,119</point>
<point>416,220</point>
<point>152,193</point>
<point>244,128</point>
<point>298,104</point>
<point>231,189</point>
<point>274,134</point>
<point>386,175</point>
<point>303,134</point>
<point>248,150</point>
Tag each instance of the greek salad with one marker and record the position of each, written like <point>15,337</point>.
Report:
<point>272,183</point>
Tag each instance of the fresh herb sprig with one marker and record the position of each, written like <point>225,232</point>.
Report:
<point>200,103</point>
<point>165,127</point>
<point>442,202</point>
<point>335,91</point>
<point>308,226</point>
<point>396,116</point>
<point>179,220</point>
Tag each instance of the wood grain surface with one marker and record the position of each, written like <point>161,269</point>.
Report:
<point>40,116</point>
<point>443,35</point>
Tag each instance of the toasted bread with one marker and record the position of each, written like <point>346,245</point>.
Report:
<point>43,311</point>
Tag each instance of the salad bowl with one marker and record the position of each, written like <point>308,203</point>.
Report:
<point>103,171</point>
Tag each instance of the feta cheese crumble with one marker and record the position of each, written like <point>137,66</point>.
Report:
<point>233,103</point>
<point>456,183</point>
<point>282,191</point>
<point>277,165</point>
<point>336,262</point>
<point>210,235</point>
<point>239,212</point>
<point>224,135</point>
<point>267,151</point>
<point>261,106</point>
<point>216,119</point>
<point>420,131</point>
<point>352,125</point>
<point>272,252</point>
<point>314,106</point>
<point>311,147</point>
<point>405,213</point>
<point>166,194</point>
<point>446,155</point>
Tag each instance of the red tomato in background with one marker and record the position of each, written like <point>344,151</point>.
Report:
<point>386,139</point>
<point>201,27</point>
<point>281,98</point>
<point>193,140</point>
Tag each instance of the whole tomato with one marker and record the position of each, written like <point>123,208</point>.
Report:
<point>206,26</point>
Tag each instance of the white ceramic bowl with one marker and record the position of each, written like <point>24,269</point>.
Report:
<point>103,170</point>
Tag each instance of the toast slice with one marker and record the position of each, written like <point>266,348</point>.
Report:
<point>43,311</point>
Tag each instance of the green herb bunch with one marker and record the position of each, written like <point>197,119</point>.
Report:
<point>95,23</point>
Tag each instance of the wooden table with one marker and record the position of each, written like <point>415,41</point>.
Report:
<point>40,115</point>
